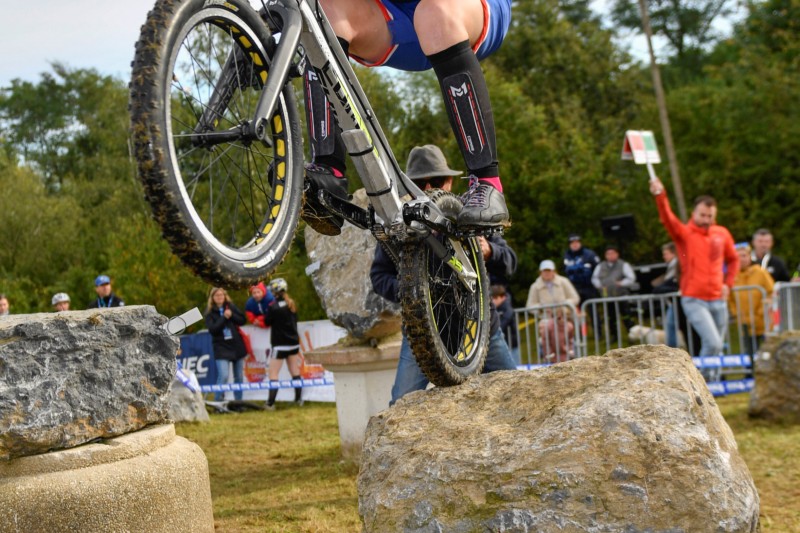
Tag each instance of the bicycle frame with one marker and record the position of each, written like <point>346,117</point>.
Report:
<point>400,207</point>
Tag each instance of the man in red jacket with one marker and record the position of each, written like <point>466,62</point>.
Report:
<point>709,264</point>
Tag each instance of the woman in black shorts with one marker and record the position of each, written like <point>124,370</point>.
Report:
<point>282,317</point>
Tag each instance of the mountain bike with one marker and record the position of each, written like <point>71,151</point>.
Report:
<point>219,144</point>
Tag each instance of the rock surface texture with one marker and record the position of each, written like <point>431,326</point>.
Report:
<point>69,378</point>
<point>186,405</point>
<point>339,270</point>
<point>776,395</point>
<point>629,442</point>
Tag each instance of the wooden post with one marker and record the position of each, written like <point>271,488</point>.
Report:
<point>662,113</point>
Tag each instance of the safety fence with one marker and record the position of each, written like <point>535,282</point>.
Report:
<point>558,332</point>
<point>786,307</point>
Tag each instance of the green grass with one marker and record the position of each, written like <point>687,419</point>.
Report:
<point>281,471</point>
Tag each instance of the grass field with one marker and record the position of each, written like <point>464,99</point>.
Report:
<point>281,471</point>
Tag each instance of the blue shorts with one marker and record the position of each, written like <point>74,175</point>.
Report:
<point>406,53</point>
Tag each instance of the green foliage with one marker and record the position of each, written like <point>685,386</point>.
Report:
<point>563,95</point>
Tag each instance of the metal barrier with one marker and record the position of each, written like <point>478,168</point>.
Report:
<point>548,333</point>
<point>786,307</point>
<point>616,322</point>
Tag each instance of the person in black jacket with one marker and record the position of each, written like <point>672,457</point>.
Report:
<point>105,296</point>
<point>508,320</point>
<point>282,317</point>
<point>223,320</point>
<point>427,167</point>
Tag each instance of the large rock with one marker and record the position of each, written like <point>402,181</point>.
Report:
<point>186,403</point>
<point>776,395</point>
<point>69,378</point>
<point>339,270</point>
<point>629,442</point>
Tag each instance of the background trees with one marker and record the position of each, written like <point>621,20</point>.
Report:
<point>563,94</point>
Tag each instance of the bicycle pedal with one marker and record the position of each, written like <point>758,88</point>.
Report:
<point>352,213</point>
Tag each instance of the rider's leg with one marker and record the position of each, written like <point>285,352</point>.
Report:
<point>359,22</point>
<point>447,30</point>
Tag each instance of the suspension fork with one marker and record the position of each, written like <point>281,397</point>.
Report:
<point>282,62</point>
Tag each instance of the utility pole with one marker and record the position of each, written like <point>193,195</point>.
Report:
<point>662,113</point>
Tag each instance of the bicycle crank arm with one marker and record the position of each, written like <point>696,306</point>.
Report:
<point>350,212</point>
<point>427,213</point>
<point>457,260</point>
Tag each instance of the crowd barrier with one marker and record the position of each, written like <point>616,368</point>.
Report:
<point>786,307</point>
<point>548,333</point>
<point>615,322</point>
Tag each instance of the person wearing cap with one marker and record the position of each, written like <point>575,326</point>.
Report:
<point>615,277</point>
<point>556,329</point>
<point>428,168</point>
<point>105,296</point>
<point>60,301</point>
<point>285,339</point>
<point>579,265</point>
<point>747,304</point>
<point>256,307</point>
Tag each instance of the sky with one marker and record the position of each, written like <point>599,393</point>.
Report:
<point>79,33</point>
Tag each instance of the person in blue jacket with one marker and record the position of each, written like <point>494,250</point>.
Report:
<point>579,265</point>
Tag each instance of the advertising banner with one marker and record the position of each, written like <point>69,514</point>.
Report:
<point>197,355</point>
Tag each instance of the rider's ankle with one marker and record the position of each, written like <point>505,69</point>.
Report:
<point>493,181</point>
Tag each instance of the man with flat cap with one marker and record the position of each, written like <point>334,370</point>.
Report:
<point>428,169</point>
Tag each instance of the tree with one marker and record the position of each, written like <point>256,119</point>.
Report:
<point>687,25</point>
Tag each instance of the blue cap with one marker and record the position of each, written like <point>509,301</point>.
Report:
<point>101,280</point>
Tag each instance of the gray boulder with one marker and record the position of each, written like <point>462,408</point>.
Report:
<point>186,405</point>
<point>73,377</point>
<point>632,442</point>
<point>339,270</point>
<point>776,394</point>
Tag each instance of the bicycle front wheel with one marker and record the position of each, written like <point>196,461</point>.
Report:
<point>447,324</point>
<point>227,200</point>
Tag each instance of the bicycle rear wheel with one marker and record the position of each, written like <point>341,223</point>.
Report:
<point>447,324</point>
<point>227,202</point>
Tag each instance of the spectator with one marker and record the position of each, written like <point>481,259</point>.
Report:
<point>668,283</point>
<point>257,305</point>
<point>428,168</point>
<point>615,277</point>
<point>285,339</point>
<point>556,329</point>
<point>105,296</point>
<point>60,301</point>
<point>762,255</point>
<point>223,319</point>
<point>4,306</point>
<point>796,275</point>
<point>579,265</point>
<point>705,249</point>
<point>747,305</point>
<point>508,322</point>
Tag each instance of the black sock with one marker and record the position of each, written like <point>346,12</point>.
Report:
<point>298,391</point>
<point>273,393</point>
<point>466,99</point>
